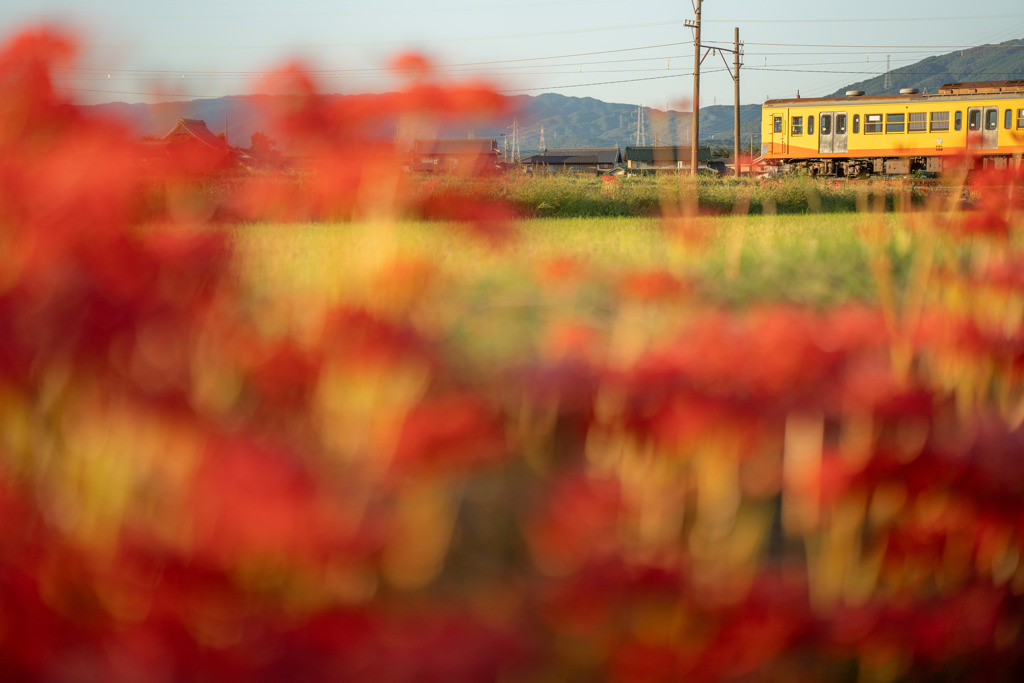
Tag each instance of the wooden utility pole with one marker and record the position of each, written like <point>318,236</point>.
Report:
<point>695,123</point>
<point>734,72</point>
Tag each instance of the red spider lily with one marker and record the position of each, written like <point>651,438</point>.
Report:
<point>249,501</point>
<point>651,286</point>
<point>783,357</point>
<point>568,340</point>
<point>488,219</point>
<point>446,435</point>
<point>561,270</point>
<point>578,521</point>
<point>986,222</point>
<point>358,338</point>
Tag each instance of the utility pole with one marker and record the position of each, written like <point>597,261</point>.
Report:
<point>734,71</point>
<point>695,122</point>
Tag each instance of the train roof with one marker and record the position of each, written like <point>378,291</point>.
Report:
<point>975,88</point>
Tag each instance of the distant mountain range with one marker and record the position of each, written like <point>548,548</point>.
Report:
<point>581,121</point>
<point>1002,62</point>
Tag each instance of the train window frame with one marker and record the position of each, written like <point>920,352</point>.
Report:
<point>777,124</point>
<point>917,122</point>
<point>1020,119</point>
<point>796,125</point>
<point>856,124</point>
<point>1008,119</point>
<point>938,122</point>
<point>895,123</point>
<point>958,120</point>
<point>974,122</point>
<point>992,118</point>
<point>826,125</point>
<point>810,124</point>
<point>873,124</point>
<point>840,121</point>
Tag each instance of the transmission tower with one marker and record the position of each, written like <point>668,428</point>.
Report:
<point>543,146</point>
<point>641,133</point>
<point>887,82</point>
<point>515,141</point>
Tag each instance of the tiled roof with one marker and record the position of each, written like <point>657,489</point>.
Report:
<point>605,155</point>
<point>563,159</point>
<point>668,154</point>
<point>436,147</point>
<point>197,130</point>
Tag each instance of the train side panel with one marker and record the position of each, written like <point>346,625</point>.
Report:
<point>848,135</point>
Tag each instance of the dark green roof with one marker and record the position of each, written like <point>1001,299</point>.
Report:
<point>605,155</point>
<point>668,154</point>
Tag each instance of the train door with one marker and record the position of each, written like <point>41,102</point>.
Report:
<point>983,128</point>
<point>832,132</point>
<point>778,138</point>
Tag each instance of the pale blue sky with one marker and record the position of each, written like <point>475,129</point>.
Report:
<point>614,50</point>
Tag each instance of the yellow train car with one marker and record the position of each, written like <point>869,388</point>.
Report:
<point>896,134</point>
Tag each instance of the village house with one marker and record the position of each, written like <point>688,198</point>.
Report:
<point>464,156</point>
<point>592,160</point>
<point>190,138</point>
<point>664,158</point>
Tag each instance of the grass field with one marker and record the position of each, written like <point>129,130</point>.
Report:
<point>810,258</point>
<point>494,306</point>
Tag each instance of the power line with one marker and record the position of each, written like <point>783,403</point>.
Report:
<point>415,10</point>
<point>888,47</point>
<point>628,80</point>
<point>462,39</point>
<point>874,20</point>
<point>395,70</point>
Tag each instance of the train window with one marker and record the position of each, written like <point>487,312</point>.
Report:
<point>826,125</point>
<point>958,120</point>
<point>940,121</point>
<point>840,124</point>
<point>856,124</point>
<point>810,125</point>
<point>798,125</point>
<point>1008,119</point>
<point>917,121</point>
<point>873,123</point>
<point>894,123</point>
<point>991,119</point>
<point>777,124</point>
<point>1020,118</point>
<point>973,119</point>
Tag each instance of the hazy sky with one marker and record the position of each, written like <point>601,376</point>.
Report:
<point>614,50</point>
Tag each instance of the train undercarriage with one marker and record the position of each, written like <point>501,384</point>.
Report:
<point>861,167</point>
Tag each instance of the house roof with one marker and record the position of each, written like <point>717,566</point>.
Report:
<point>194,129</point>
<point>605,155</point>
<point>667,154</point>
<point>438,147</point>
<point>564,159</point>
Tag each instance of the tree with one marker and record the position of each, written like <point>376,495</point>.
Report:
<point>261,142</point>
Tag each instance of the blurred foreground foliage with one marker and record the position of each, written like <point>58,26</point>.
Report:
<point>200,480</point>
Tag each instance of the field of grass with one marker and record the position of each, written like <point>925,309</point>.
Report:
<point>494,304</point>
<point>567,196</point>
<point>811,258</point>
